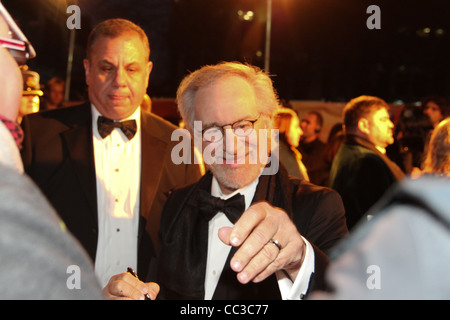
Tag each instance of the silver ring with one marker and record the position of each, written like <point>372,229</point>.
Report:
<point>275,243</point>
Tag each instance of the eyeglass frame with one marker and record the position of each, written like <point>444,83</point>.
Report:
<point>221,129</point>
<point>18,45</point>
<point>17,48</point>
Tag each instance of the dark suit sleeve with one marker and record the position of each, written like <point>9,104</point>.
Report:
<point>317,281</point>
<point>328,223</point>
<point>327,228</point>
<point>319,215</point>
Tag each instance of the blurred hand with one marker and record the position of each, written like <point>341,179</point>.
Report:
<point>257,258</point>
<point>124,286</point>
<point>416,173</point>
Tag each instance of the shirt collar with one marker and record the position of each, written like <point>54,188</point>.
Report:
<point>136,115</point>
<point>248,191</point>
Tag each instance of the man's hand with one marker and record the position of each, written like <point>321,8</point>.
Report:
<point>257,258</point>
<point>124,286</point>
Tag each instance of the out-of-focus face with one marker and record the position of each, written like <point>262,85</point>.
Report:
<point>223,102</point>
<point>433,111</point>
<point>117,75</point>
<point>29,104</point>
<point>381,128</point>
<point>10,79</point>
<point>309,125</point>
<point>56,94</point>
<point>295,132</point>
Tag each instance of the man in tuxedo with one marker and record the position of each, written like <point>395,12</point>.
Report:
<point>226,257</point>
<point>105,165</point>
<point>214,250</point>
<point>361,172</point>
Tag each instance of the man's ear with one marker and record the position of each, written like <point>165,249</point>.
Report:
<point>269,120</point>
<point>86,65</point>
<point>149,70</point>
<point>363,125</point>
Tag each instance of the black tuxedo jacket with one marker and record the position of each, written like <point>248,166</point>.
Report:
<point>318,213</point>
<point>58,155</point>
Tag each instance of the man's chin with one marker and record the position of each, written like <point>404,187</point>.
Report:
<point>235,176</point>
<point>119,112</point>
<point>391,141</point>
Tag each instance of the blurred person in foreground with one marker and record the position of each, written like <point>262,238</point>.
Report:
<point>245,230</point>
<point>402,251</point>
<point>106,165</point>
<point>361,172</point>
<point>39,258</point>
<point>287,123</point>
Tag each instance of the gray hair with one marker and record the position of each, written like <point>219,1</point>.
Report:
<point>265,93</point>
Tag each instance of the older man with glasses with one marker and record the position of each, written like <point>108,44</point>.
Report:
<point>274,244</point>
<point>242,232</point>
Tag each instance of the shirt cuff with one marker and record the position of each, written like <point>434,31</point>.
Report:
<point>297,290</point>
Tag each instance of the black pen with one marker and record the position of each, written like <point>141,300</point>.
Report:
<point>131,271</point>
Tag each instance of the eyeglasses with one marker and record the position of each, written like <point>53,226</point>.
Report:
<point>17,48</point>
<point>17,43</point>
<point>241,128</point>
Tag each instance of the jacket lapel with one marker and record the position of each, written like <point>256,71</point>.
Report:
<point>81,153</point>
<point>152,160</point>
<point>273,189</point>
<point>184,246</point>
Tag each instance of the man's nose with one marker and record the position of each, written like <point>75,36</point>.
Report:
<point>229,141</point>
<point>120,77</point>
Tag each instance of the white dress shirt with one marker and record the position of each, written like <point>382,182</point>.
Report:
<point>218,251</point>
<point>117,167</point>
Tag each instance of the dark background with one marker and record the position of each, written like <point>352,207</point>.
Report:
<point>321,49</point>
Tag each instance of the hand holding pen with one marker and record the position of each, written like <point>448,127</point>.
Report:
<point>131,271</point>
<point>127,286</point>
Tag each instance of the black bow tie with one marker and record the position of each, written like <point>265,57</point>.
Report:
<point>105,126</point>
<point>209,206</point>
